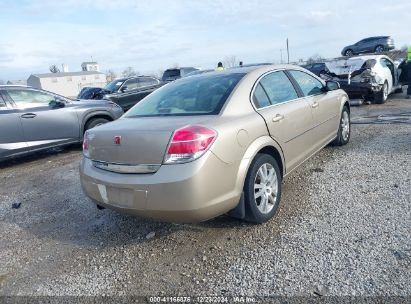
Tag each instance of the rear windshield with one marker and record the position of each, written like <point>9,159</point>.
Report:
<point>199,95</point>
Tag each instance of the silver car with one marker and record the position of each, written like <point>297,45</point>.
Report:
<point>32,120</point>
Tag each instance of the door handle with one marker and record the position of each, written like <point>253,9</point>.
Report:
<point>315,105</point>
<point>28,115</point>
<point>278,118</point>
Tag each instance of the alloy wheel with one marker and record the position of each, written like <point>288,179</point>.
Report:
<point>345,125</point>
<point>265,188</point>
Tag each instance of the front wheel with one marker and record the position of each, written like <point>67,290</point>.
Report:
<point>262,189</point>
<point>344,130</point>
<point>381,96</point>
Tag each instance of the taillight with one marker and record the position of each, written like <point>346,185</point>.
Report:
<point>85,145</point>
<point>189,143</point>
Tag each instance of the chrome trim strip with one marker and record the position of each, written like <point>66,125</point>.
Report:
<point>126,168</point>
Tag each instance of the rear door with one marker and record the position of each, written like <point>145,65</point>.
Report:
<point>43,123</point>
<point>325,106</point>
<point>288,117</point>
<point>11,130</point>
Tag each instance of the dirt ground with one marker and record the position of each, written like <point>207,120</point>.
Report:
<point>343,228</point>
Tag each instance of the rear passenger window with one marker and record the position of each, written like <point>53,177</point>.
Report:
<point>260,98</point>
<point>278,87</point>
<point>308,84</point>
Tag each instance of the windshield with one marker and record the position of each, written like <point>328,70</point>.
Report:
<point>114,85</point>
<point>197,95</point>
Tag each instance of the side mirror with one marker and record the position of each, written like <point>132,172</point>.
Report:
<point>123,89</point>
<point>331,85</point>
<point>57,104</point>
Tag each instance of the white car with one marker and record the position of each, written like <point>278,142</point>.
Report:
<point>370,77</point>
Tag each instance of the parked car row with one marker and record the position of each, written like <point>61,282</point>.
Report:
<point>370,77</point>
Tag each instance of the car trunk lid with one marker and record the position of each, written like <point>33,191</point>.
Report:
<point>136,140</point>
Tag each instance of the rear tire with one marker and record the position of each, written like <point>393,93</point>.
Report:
<point>262,189</point>
<point>344,130</point>
<point>95,122</point>
<point>381,96</point>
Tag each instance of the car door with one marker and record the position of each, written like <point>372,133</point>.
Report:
<point>363,46</point>
<point>47,120</point>
<point>127,94</point>
<point>288,117</point>
<point>11,131</point>
<point>325,106</point>
<point>388,72</point>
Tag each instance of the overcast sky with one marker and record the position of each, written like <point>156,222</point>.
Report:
<point>153,35</point>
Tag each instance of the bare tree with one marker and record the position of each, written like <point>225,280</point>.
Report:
<point>54,69</point>
<point>315,58</point>
<point>230,61</point>
<point>110,75</point>
<point>129,71</point>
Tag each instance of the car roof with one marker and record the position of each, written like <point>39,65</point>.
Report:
<point>248,70</point>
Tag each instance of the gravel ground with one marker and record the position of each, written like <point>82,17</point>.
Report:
<point>344,228</point>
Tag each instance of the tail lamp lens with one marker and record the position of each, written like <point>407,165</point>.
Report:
<point>86,145</point>
<point>189,143</point>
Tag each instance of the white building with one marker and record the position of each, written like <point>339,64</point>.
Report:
<point>67,84</point>
<point>90,66</point>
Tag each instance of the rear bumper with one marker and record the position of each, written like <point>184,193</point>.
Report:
<point>359,89</point>
<point>191,192</point>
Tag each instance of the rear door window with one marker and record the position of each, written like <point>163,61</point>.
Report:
<point>308,84</point>
<point>278,87</point>
<point>131,84</point>
<point>147,81</point>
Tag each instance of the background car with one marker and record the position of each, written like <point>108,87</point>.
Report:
<point>125,92</point>
<point>377,44</point>
<point>31,119</point>
<point>317,68</point>
<point>370,77</point>
<point>176,73</point>
<point>214,143</point>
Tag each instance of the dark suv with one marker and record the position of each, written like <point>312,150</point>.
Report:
<point>174,74</point>
<point>126,92</point>
<point>369,45</point>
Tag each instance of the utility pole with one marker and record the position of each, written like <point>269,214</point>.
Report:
<point>288,53</point>
<point>281,52</point>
